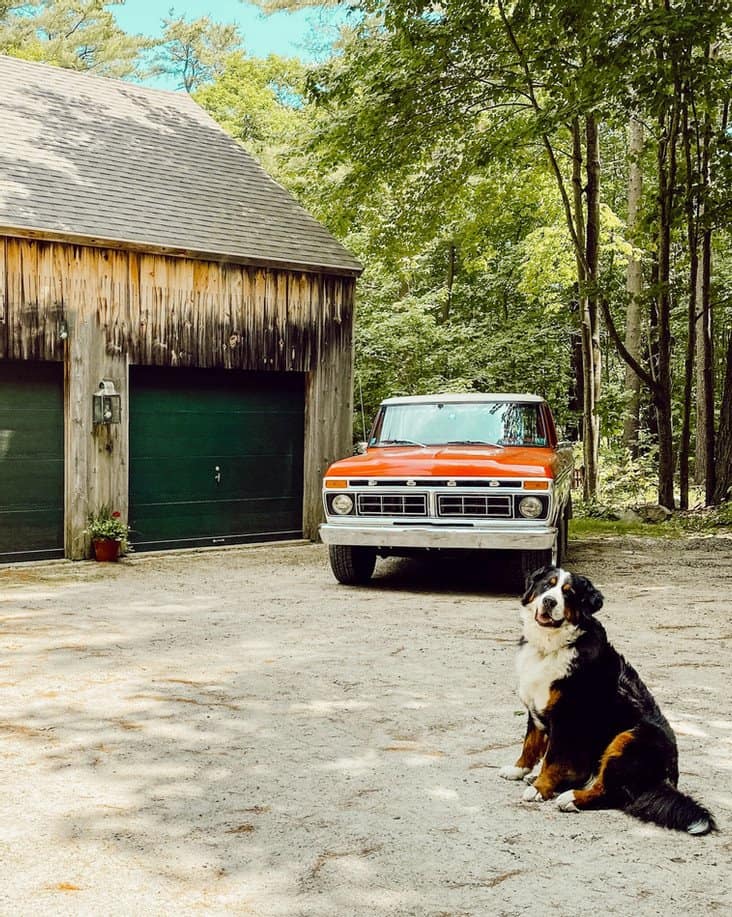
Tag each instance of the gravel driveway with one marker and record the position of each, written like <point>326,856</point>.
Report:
<point>231,732</point>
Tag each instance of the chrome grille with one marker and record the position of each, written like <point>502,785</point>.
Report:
<point>392,504</point>
<point>484,505</point>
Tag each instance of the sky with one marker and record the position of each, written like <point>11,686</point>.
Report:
<point>287,34</point>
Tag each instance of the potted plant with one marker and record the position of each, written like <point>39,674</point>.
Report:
<point>108,533</point>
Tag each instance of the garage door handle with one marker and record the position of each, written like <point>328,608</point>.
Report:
<point>217,474</point>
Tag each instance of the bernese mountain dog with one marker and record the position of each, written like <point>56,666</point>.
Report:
<point>594,725</point>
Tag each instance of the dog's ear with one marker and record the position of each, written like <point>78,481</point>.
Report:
<point>589,599</point>
<point>531,582</point>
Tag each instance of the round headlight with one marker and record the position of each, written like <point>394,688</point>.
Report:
<point>531,507</point>
<point>342,504</point>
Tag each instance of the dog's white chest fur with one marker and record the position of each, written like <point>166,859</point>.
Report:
<point>537,670</point>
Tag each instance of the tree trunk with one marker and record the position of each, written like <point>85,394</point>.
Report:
<point>706,468</point>
<point>592,318</point>
<point>586,274</point>
<point>634,288</point>
<point>705,433</point>
<point>451,263</point>
<point>723,485</point>
<point>692,236</point>
<point>669,128</point>
<point>586,240</point>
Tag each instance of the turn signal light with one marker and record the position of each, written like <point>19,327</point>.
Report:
<point>335,484</point>
<point>536,485</point>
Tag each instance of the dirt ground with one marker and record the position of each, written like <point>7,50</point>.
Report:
<point>232,732</point>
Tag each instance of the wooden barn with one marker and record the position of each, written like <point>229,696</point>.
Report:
<point>175,330</point>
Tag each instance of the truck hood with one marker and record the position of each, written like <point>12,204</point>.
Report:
<point>449,461</point>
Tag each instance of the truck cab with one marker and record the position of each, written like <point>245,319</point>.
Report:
<point>451,472</point>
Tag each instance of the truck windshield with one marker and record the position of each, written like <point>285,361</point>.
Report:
<point>480,423</point>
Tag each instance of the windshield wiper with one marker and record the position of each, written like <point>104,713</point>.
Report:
<point>401,442</point>
<point>472,442</point>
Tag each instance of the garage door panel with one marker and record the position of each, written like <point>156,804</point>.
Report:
<point>31,534</point>
<point>176,479</point>
<point>234,433</point>
<point>31,461</point>
<point>29,434</point>
<point>163,523</point>
<point>214,456</point>
<point>46,481</point>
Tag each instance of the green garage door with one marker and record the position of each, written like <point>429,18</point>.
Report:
<point>31,461</point>
<point>215,457</point>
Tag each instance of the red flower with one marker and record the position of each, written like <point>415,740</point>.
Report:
<point>116,515</point>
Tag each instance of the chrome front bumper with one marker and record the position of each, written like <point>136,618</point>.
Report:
<point>512,538</point>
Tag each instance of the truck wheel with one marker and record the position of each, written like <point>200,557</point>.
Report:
<point>531,561</point>
<point>351,565</point>
<point>563,538</point>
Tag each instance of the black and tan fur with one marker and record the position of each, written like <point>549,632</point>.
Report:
<point>595,727</point>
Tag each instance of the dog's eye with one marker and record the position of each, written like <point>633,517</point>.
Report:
<point>553,581</point>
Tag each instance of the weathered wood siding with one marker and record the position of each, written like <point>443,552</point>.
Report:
<point>126,307</point>
<point>168,311</point>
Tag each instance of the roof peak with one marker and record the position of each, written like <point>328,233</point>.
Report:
<point>86,157</point>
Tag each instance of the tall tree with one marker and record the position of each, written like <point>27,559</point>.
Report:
<point>195,51</point>
<point>77,34</point>
<point>260,103</point>
<point>634,284</point>
<point>461,80</point>
<point>723,484</point>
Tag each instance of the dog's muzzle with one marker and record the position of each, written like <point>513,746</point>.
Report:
<point>543,614</point>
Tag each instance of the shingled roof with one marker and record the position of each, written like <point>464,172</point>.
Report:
<point>103,161</point>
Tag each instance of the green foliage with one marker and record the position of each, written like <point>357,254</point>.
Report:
<point>106,523</point>
<point>195,51</point>
<point>600,521</point>
<point>625,480</point>
<point>422,144</point>
<point>259,102</point>
<point>593,527</point>
<point>708,520</point>
<point>77,34</point>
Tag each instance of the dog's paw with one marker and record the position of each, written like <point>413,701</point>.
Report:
<point>511,772</point>
<point>532,795</point>
<point>529,778</point>
<point>566,803</point>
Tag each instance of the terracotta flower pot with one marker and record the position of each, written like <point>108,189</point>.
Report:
<point>106,549</point>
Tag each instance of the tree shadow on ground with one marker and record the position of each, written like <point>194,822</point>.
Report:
<point>246,732</point>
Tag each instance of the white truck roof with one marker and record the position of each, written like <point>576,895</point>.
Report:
<point>456,397</point>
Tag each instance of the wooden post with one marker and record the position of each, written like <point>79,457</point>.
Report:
<point>96,466</point>
<point>328,402</point>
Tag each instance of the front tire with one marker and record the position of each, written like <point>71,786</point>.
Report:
<point>351,565</point>
<point>563,537</point>
<point>531,561</point>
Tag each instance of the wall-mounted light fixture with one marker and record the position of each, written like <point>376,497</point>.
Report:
<point>63,330</point>
<point>107,404</point>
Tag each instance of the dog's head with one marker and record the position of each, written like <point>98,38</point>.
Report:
<point>555,597</point>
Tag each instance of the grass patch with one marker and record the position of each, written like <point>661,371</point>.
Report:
<point>678,526</point>
<point>587,526</point>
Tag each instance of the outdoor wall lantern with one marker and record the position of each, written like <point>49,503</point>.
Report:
<point>107,404</point>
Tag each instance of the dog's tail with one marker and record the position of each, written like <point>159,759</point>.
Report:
<point>666,806</point>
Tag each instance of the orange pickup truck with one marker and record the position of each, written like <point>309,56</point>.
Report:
<point>451,472</point>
